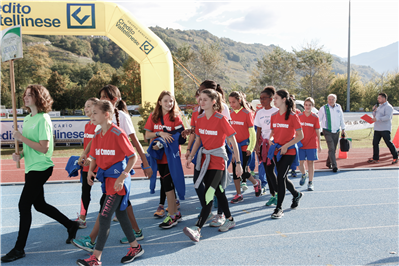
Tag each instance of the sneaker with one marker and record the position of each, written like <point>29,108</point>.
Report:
<point>371,160</point>
<point>257,188</point>
<point>84,243</point>
<point>91,261</point>
<point>237,199</point>
<point>115,219</point>
<point>227,225</point>
<point>264,190</point>
<point>168,222</point>
<point>272,201</point>
<point>295,200</point>
<point>278,213</point>
<point>193,233</point>
<point>303,179</point>
<point>395,161</point>
<point>14,254</point>
<point>210,217</point>
<point>160,212</point>
<point>215,202</point>
<point>82,223</point>
<point>132,254</point>
<point>177,205</point>
<point>139,236</point>
<point>178,217</point>
<point>253,173</point>
<point>218,220</point>
<point>335,169</point>
<point>293,173</point>
<point>244,187</point>
<point>72,232</point>
<point>310,186</point>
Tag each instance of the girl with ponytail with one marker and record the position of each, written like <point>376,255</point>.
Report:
<point>211,130</point>
<point>287,132</point>
<point>122,119</point>
<point>242,122</point>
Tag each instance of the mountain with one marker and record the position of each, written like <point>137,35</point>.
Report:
<point>383,59</point>
<point>241,58</point>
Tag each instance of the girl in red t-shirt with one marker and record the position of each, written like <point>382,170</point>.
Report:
<point>167,109</point>
<point>109,148</point>
<point>287,131</point>
<point>243,123</point>
<point>212,129</point>
<point>85,162</point>
<point>311,142</point>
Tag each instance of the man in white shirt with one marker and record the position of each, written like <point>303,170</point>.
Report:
<point>331,118</point>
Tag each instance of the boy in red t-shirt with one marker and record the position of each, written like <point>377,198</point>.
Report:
<point>311,142</point>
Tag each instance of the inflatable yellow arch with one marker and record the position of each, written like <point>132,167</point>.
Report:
<point>98,18</point>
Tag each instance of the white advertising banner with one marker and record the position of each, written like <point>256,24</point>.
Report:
<point>62,129</point>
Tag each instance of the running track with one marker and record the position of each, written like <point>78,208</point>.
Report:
<point>357,158</point>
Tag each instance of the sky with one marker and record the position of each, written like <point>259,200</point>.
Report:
<point>288,24</point>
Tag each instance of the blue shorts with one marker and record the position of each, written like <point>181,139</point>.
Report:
<point>308,154</point>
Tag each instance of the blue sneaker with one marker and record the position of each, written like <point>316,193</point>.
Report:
<point>84,243</point>
<point>303,179</point>
<point>139,236</point>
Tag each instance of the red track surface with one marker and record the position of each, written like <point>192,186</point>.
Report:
<point>357,158</point>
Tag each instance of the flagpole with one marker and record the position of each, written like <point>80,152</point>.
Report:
<point>348,89</point>
<point>14,107</point>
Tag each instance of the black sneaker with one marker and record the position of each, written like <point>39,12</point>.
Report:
<point>168,222</point>
<point>295,200</point>
<point>132,254</point>
<point>335,169</point>
<point>72,232</point>
<point>278,213</point>
<point>14,254</point>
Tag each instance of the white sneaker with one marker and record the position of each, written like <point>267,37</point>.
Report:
<point>192,233</point>
<point>227,225</point>
<point>218,220</point>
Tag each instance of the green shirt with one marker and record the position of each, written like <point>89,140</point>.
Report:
<point>37,128</point>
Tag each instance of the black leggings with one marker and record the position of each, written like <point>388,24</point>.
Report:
<point>33,194</point>
<point>201,192</point>
<point>211,181</point>
<point>283,183</point>
<point>245,175</point>
<point>85,198</point>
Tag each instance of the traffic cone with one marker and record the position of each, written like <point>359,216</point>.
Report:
<point>342,154</point>
<point>396,139</point>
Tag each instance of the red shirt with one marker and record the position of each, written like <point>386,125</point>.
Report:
<point>194,116</point>
<point>110,149</point>
<point>169,125</point>
<point>309,125</point>
<point>88,136</point>
<point>284,130</point>
<point>213,133</point>
<point>241,122</point>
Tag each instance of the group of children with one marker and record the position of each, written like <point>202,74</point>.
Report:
<point>218,137</point>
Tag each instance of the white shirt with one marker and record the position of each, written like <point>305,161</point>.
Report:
<point>225,112</point>
<point>125,122</point>
<point>262,120</point>
<point>337,118</point>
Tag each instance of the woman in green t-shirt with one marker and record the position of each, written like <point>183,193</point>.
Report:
<point>37,139</point>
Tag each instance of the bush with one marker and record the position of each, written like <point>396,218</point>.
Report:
<point>145,111</point>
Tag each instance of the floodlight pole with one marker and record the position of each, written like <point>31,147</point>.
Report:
<point>348,90</point>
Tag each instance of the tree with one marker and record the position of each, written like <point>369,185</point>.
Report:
<point>5,92</point>
<point>209,59</point>
<point>130,82</point>
<point>313,63</point>
<point>95,84</point>
<point>38,62</point>
<point>57,86</point>
<point>277,68</point>
<point>339,87</point>
<point>392,89</point>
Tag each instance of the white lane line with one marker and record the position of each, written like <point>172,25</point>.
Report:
<point>231,238</point>
<point>193,216</point>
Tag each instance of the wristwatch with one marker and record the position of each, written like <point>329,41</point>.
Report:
<point>157,133</point>
<point>238,162</point>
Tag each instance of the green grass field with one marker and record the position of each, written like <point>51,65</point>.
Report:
<point>360,139</point>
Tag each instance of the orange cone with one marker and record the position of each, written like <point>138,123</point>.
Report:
<point>396,139</point>
<point>342,154</point>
